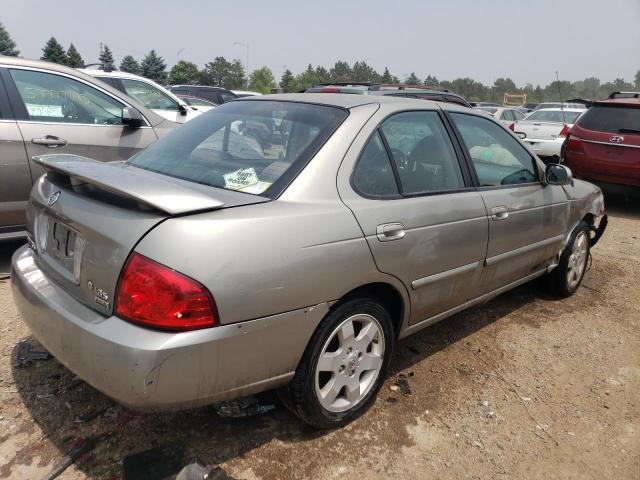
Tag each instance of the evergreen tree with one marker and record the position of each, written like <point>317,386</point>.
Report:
<point>54,52</point>
<point>130,65</point>
<point>153,67</point>
<point>287,82</point>
<point>74,59</point>
<point>413,79</point>
<point>386,76</point>
<point>7,45</point>
<point>106,58</point>
<point>637,79</point>
<point>340,72</point>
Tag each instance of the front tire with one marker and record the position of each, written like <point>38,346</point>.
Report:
<point>343,366</point>
<point>564,280</point>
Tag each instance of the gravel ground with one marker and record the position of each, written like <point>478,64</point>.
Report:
<point>523,387</point>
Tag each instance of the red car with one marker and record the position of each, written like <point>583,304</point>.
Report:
<point>604,144</point>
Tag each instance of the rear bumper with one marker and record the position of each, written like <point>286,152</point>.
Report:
<point>150,370</point>
<point>545,148</point>
<point>602,171</point>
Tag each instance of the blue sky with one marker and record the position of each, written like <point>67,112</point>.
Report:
<point>483,39</point>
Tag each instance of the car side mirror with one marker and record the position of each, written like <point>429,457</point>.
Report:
<point>182,109</point>
<point>556,174</point>
<point>132,117</point>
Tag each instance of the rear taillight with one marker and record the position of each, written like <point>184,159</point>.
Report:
<point>329,90</point>
<point>151,294</point>
<point>565,130</point>
<point>573,145</point>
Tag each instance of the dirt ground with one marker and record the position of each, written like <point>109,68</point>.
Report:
<point>523,387</point>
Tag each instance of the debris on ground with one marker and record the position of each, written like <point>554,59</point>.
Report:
<point>160,462</point>
<point>89,416</point>
<point>242,407</point>
<point>197,471</point>
<point>403,384</point>
<point>78,448</point>
<point>28,352</point>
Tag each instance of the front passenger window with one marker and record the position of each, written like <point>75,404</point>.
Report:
<point>53,98</point>
<point>498,158</point>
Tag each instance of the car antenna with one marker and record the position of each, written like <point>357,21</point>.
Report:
<point>564,119</point>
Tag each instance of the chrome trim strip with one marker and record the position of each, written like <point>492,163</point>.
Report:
<point>80,124</point>
<point>610,143</point>
<point>481,299</point>
<point>423,282</point>
<point>522,250</point>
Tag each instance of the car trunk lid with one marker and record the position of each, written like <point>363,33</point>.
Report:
<point>85,217</point>
<point>534,130</point>
<point>609,151</point>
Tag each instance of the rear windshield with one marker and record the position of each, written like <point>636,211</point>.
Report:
<point>611,119</point>
<point>254,147</point>
<point>557,116</point>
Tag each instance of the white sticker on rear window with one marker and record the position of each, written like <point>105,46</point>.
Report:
<point>240,179</point>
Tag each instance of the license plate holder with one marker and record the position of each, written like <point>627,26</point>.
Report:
<point>64,247</point>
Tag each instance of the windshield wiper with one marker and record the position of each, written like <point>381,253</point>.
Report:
<point>628,130</point>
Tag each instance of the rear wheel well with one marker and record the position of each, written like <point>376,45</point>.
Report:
<point>388,296</point>
<point>590,218</point>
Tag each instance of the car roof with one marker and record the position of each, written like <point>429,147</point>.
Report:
<point>95,72</point>
<point>153,117</point>
<point>342,100</point>
<point>199,86</point>
<point>630,102</point>
<point>558,109</point>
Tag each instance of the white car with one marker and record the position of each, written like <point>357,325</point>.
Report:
<point>148,93</point>
<point>545,130</point>
<point>245,93</point>
<point>505,115</point>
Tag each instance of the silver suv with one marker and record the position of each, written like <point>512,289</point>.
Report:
<point>49,108</point>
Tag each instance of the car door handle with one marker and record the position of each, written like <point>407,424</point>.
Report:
<point>499,213</point>
<point>49,141</point>
<point>390,231</point>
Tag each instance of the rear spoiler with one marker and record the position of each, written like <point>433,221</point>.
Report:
<point>150,188</point>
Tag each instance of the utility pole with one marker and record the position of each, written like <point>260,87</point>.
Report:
<point>246,65</point>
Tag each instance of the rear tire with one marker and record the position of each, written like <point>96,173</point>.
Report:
<point>344,365</point>
<point>564,280</point>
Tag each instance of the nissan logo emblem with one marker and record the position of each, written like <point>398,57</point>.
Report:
<point>54,197</point>
<point>616,139</point>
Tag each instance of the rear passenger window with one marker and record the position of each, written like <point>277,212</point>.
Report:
<point>373,175</point>
<point>498,158</point>
<point>422,152</point>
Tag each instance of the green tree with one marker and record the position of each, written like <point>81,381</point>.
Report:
<point>638,79</point>
<point>431,81</point>
<point>74,59</point>
<point>386,76</point>
<point>287,82</point>
<point>362,72</point>
<point>236,78</point>
<point>261,80</point>
<point>7,45</point>
<point>106,57</point>
<point>184,73</point>
<point>413,79</point>
<point>322,75</point>
<point>222,73</point>
<point>130,65</point>
<point>154,68</point>
<point>54,52</point>
<point>306,79</point>
<point>340,72</point>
